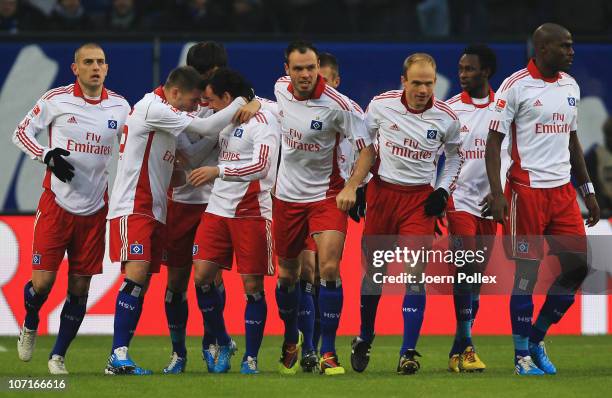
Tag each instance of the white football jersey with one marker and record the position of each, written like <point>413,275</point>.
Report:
<point>473,184</point>
<point>147,154</point>
<point>247,168</point>
<point>199,151</point>
<point>311,133</point>
<point>538,115</point>
<point>88,129</point>
<point>408,142</point>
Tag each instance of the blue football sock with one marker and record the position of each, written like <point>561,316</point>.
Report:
<point>555,306</point>
<point>177,311</point>
<point>32,301</point>
<point>463,316</point>
<point>413,310</point>
<point>370,297</point>
<point>330,303</point>
<point>316,331</point>
<point>521,313</point>
<point>71,317</point>
<point>127,312</point>
<point>288,301</point>
<point>254,323</point>
<point>210,304</point>
<point>306,315</point>
<point>475,306</point>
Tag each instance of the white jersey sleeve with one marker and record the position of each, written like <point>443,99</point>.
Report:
<point>36,121</point>
<point>264,146</point>
<point>214,124</point>
<point>505,108</point>
<point>161,117</point>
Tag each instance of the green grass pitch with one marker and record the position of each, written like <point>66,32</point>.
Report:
<point>584,364</point>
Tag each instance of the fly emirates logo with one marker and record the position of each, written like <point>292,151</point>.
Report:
<point>410,149</point>
<point>92,145</point>
<point>476,150</point>
<point>558,126</point>
<point>293,139</point>
<point>227,155</point>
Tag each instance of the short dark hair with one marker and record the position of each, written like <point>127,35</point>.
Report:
<point>300,46</point>
<point>185,78</point>
<point>206,55</point>
<point>486,56</point>
<point>227,80</point>
<point>86,45</point>
<point>327,59</point>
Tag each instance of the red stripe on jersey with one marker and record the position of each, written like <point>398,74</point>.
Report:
<point>357,107</point>
<point>336,182</point>
<point>511,82</point>
<point>337,99</point>
<point>25,140</point>
<point>55,91</point>
<point>453,99</point>
<point>360,143</point>
<point>264,150</point>
<point>515,74</point>
<point>386,96</point>
<point>446,109</point>
<point>114,94</point>
<point>143,199</point>
<point>47,180</point>
<point>516,172</point>
<point>56,94</point>
<point>249,204</point>
<point>262,117</point>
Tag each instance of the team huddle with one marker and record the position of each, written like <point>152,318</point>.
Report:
<point>209,172</point>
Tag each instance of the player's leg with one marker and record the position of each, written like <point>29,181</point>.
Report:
<point>255,315</point>
<point>413,311</point>
<point>316,330</point>
<point>329,247</point>
<point>52,234</point>
<point>71,317</point>
<point>306,314</point>
<point>177,311</point>
<point>290,232</point>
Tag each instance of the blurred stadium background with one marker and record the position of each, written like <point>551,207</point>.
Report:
<point>145,39</point>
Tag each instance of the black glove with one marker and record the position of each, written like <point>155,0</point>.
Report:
<point>359,209</point>
<point>58,165</point>
<point>436,202</point>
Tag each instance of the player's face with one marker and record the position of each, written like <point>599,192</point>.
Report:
<point>216,102</point>
<point>330,76</point>
<point>471,76</point>
<point>90,68</point>
<point>560,53</point>
<point>186,101</point>
<point>303,70</point>
<point>419,84</point>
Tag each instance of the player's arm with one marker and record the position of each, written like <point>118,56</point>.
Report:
<point>192,153</point>
<point>212,125</point>
<point>585,186</point>
<point>24,136</point>
<point>265,145</point>
<point>354,127</point>
<point>435,204</point>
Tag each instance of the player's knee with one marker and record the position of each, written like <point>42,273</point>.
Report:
<point>43,281</point>
<point>525,276</point>
<point>252,284</point>
<point>329,271</point>
<point>178,280</point>
<point>78,285</point>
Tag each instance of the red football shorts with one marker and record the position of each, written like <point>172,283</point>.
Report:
<point>57,231</point>
<point>219,238</point>
<point>470,232</point>
<point>181,224</point>
<point>397,210</point>
<point>295,222</point>
<point>137,238</point>
<point>538,212</point>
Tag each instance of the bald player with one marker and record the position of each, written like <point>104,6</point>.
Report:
<point>537,107</point>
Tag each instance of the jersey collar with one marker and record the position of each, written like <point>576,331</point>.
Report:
<point>535,72</point>
<point>159,91</point>
<point>78,92</point>
<point>409,109</point>
<point>316,93</point>
<point>466,99</point>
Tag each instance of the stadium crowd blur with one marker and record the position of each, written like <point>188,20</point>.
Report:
<point>417,18</point>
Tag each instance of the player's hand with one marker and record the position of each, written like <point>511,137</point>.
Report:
<point>495,206</point>
<point>359,208</point>
<point>439,225</point>
<point>59,166</point>
<point>346,198</point>
<point>245,113</point>
<point>593,207</point>
<point>203,175</point>
<point>436,203</point>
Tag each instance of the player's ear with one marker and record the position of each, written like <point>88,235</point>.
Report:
<point>338,81</point>
<point>227,98</point>
<point>286,68</point>
<point>74,69</point>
